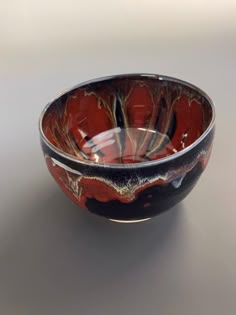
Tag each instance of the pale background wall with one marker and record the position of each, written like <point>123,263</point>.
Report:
<point>57,259</point>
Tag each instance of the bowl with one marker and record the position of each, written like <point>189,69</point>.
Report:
<point>128,147</point>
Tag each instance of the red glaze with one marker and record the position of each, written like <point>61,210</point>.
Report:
<point>123,121</point>
<point>81,187</point>
<point>89,127</point>
<point>61,177</point>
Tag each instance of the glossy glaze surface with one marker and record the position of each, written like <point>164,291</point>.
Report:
<point>127,121</point>
<point>96,137</point>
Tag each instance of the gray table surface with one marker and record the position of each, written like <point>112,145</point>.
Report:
<point>57,259</point>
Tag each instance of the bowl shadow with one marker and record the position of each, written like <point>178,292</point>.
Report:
<point>59,252</point>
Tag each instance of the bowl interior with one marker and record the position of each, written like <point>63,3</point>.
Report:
<point>126,120</point>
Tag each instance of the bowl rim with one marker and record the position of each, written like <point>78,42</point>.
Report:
<point>129,165</point>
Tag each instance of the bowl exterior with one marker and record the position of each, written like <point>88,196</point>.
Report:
<point>130,192</point>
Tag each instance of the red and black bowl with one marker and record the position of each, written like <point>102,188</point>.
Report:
<point>128,147</point>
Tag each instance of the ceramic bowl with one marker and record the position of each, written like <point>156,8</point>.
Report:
<point>128,147</point>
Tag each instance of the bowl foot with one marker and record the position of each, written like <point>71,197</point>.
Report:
<point>130,221</point>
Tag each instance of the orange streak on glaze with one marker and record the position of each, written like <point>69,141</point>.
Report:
<point>140,113</point>
<point>86,116</point>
